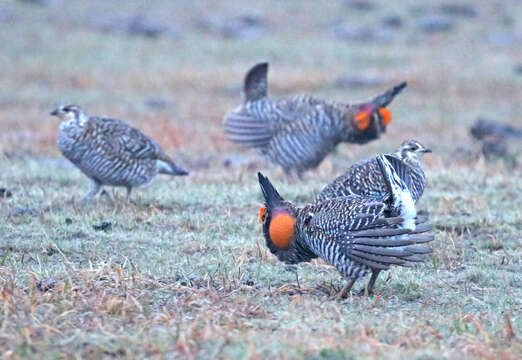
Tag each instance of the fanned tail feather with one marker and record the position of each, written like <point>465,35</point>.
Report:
<point>381,248</point>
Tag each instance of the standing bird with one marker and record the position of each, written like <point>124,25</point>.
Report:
<point>366,178</point>
<point>109,151</point>
<point>353,233</point>
<point>298,132</point>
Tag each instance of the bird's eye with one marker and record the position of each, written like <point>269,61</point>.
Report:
<point>262,214</point>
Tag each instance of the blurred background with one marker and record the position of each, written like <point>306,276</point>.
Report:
<point>173,68</point>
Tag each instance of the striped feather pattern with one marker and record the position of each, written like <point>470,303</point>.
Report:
<point>110,152</point>
<point>366,179</point>
<point>352,233</point>
<point>298,132</point>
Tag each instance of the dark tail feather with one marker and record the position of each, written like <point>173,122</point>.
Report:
<point>271,195</point>
<point>384,99</point>
<point>255,86</point>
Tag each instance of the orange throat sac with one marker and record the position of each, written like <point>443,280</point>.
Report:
<point>362,120</point>
<point>282,230</point>
<point>385,115</point>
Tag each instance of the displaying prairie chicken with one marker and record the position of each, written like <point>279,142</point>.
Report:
<point>109,151</point>
<point>297,133</point>
<point>366,178</point>
<point>355,234</point>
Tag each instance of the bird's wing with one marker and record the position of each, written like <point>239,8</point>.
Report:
<point>364,179</point>
<point>256,123</point>
<point>120,139</point>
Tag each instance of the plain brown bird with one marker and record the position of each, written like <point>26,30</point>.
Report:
<point>298,132</point>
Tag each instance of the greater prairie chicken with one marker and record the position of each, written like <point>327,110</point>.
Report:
<point>355,234</point>
<point>366,178</point>
<point>109,151</point>
<point>297,133</point>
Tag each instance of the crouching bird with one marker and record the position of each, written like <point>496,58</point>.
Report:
<point>109,151</point>
<point>297,133</point>
<point>355,234</point>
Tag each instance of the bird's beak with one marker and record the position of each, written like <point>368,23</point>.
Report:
<point>427,151</point>
<point>54,112</point>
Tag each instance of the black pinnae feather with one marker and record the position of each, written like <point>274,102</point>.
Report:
<point>271,195</point>
<point>385,99</point>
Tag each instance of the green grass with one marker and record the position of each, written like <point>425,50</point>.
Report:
<point>183,270</point>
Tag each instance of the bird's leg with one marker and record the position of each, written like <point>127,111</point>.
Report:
<point>293,268</point>
<point>294,176</point>
<point>94,188</point>
<point>368,290</point>
<point>345,290</point>
<point>128,197</point>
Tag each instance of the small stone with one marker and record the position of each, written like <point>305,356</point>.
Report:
<point>4,193</point>
<point>140,27</point>
<point>39,2</point>
<point>392,21</point>
<point>362,33</point>
<point>435,23</point>
<point>461,10</point>
<point>363,5</point>
<point>45,285</point>
<point>245,26</point>
<point>104,226</point>
<point>156,103</point>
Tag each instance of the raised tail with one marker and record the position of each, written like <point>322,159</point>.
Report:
<point>398,180</point>
<point>386,98</point>
<point>255,86</point>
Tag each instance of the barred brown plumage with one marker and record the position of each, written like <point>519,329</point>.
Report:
<point>297,133</point>
<point>109,151</point>
<point>353,233</point>
<point>366,178</point>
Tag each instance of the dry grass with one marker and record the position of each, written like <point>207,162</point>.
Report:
<point>184,271</point>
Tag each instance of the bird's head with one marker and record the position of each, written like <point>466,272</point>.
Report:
<point>279,220</point>
<point>70,115</point>
<point>365,123</point>
<point>411,151</point>
<point>372,117</point>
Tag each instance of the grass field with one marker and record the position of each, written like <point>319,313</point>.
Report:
<point>183,270</point>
